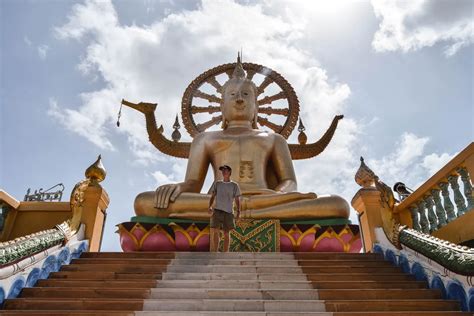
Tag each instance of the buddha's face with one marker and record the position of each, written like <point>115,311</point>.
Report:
<point>239,100</point>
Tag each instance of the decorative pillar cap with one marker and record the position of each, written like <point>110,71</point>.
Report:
<point>96,172</point>
<point>364,176</point>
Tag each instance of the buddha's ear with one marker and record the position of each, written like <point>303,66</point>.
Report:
<point>224,122</point>
<point>254,121</point>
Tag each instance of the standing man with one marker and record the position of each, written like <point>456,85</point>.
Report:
<point>225,193</point>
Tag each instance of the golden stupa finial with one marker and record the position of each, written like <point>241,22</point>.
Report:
<point>302,138</point>
<point>96,172</point>
<point>364,177</point>
<point>239,71</point>
<point>176,135</point>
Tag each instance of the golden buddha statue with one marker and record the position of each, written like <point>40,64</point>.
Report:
<point>261,162</point>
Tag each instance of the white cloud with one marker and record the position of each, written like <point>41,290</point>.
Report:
<point>161,178</point>
<point>434,162</point>
<point>175,174</point>
<point>43,51</point>
<point>399,164</point>
<point>81,122</point>
<point>27,40</point>
<point>93,16</point>
<point>409,162</point>
<point>412,25</point>
<point>408,149</point>
<point>332,171</point>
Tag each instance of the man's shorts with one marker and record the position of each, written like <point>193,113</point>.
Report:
<point>222,220</point>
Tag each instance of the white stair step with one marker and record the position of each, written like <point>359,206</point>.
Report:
<point>262,294</point>
<point>234,255</point>
<point>219,313</point>
<point>233,276</point>
<point>241,262</point>
<point>235,284</point>
<point>233,269</point>
<point>233,305</point>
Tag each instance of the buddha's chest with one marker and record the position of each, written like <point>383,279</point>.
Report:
<point>248,148</point>
<point>248,157</point>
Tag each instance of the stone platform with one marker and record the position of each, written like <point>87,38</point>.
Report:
<point>153,234</point>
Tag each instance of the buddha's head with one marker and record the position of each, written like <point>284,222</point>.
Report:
<point>239,98</point>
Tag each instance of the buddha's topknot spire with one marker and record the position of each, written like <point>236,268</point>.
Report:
<point>239,71</point>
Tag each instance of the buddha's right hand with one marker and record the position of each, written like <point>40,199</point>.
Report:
<point>167,193</point>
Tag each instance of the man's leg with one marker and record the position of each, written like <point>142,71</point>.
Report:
<point>215,239</point>
<point>217,222</point>
<point>226,240</point>
<point>229,224</point>
<point>214,232</point>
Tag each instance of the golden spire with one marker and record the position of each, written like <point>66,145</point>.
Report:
<point>96,172</point>
<point>302,138</point>
<point>364,177</point>
<point>176,135</point>
<point>239,71</point>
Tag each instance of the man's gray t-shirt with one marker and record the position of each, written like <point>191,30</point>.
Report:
<point>225,193</point>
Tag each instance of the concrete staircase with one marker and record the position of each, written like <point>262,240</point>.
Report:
<point>282,284</point>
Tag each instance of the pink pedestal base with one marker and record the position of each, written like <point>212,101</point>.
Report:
<point>195,237</point>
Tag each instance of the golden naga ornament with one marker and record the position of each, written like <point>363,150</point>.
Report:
<point>268,115</point>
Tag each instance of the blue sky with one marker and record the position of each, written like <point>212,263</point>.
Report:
<point>401,73</point>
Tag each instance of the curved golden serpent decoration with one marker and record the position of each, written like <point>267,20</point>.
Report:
<point>179,149</point>
<point>264,102</point>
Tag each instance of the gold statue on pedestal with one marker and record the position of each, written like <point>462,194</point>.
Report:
<point>261,160</point>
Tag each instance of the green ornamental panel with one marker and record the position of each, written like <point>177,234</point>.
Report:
<point>251,235</point>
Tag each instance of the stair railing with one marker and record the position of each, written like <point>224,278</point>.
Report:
<point>429,209</point>
<point>430,233</point>
<point>431,206</point>
<point>25,259</point>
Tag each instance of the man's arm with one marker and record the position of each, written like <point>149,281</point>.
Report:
<point>211,201</point>
<point>237,194</point>
<point>237,203</point>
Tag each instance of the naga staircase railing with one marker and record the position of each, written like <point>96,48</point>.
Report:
<point>30,256</point>
<point>430,233</point>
